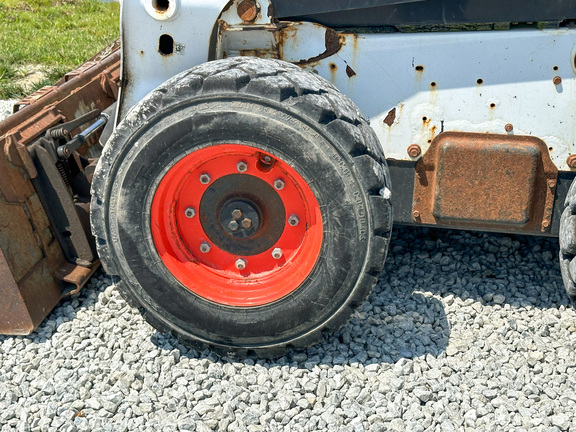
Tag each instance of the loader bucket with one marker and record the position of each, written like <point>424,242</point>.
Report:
<point>34,271</point>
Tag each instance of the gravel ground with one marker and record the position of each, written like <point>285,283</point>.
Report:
<point>6,108</point>
<point>465,331</point>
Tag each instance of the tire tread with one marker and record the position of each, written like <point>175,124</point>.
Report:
<point>308,95</point>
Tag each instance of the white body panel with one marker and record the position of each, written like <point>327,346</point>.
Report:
<point>189,23</point>
<point>516,69</point>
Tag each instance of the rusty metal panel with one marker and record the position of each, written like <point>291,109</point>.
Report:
<point>34,275</point>
<point>485,181</point>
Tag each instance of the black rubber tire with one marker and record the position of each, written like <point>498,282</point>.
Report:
<point>567,240</point>
<point>293,114</point>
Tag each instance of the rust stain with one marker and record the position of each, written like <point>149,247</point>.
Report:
<point>389,120</point>
<point>332,41</point>
<point>472,180</point>
<point>333,69</point>
<point>350,72</point>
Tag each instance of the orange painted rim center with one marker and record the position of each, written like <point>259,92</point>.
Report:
<point>233,239</point>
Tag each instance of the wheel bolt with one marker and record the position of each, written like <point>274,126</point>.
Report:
<point>246,223</point>
<point>279,184</point>
<point>190,212</point>
<point>205,247</point>
<point>242,166</point>
<point>293,220</point>
<point>240,264</point>
<point>237,214</point>
<point>233,225</point>
<point>204,179</point>
<point>277,253</point>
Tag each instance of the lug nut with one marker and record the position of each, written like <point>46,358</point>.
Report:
<point>190,212</point>
<point>242,167</point>
<point>509,127</point>
<point>240,264</point>
<point>205,247</point>
<point>293,220</point>
<point>233,225</point>
<point>279,184</point>
<point>246,223</point>
<point>204,179</point>
<point>237,214</point>
<point>277,253</point>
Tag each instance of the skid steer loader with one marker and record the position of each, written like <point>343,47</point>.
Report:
<point>240,189</point>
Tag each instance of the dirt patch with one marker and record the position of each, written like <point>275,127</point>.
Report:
<point>29,76</point>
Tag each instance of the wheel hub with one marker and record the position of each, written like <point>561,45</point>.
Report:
<point>240,218</point>
<point>242,214</point>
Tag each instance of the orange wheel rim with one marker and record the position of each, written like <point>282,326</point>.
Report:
<point>236,225</point>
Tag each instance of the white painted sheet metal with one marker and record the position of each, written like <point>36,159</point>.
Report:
<point>473,81</point>
<point>188,22</point>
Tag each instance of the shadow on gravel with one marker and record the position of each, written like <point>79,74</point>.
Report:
<point>490,268</point>
<point>426,270</point>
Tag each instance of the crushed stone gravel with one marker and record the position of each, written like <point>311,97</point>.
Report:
<point>6,108</point>
<point>464,331</point>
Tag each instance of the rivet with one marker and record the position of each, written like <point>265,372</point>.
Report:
<point>545,224</point>
<point>414,150</point>
<point>247,10</point>
<point>240,264</point>
<point>242,167</point>
<point>190,212</point>
<point>204,179</point>
<point>205,247</point>
<point>557,80</point>
<point>415,214</point>
<point>277,253</point>
<point>571,161</point>
<point>551,183</point>
<point>509,127</point>
<point>293,220</point>
<point>279,184</point>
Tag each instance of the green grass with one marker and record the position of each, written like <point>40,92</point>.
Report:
<point>50,36</point>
